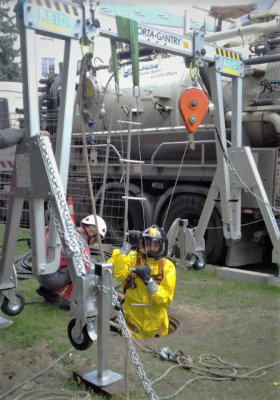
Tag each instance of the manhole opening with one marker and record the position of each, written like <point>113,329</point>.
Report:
<point>174,324</point>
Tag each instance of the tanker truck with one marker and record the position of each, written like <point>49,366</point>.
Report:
<point>144,131</point>
<point>173,179</point>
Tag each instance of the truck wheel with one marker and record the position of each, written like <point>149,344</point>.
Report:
<point>10,309</point>
<point>190,207</point>
<point>199,264</point>
<point>113,213</point>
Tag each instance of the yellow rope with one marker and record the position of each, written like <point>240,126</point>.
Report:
<point>191,71</point>
<point>82,46</point>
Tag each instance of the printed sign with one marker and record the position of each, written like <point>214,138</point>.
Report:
<point>230,66</point>
<point>53,21</point>
<point>163,38</point>
<point>53,16</point>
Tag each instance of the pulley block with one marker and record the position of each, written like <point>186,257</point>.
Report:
<point>193,105</point>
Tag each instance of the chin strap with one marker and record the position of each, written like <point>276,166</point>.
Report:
<point>89,237</point>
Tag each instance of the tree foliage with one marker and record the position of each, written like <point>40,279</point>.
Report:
<point>9,69</point>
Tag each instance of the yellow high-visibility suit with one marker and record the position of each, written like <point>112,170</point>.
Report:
<point>150,319</point>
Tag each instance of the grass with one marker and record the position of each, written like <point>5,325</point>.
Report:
<point>22,246</point>
<point>235,320</point>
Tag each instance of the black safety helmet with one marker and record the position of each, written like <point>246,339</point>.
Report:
<point>153,234</point>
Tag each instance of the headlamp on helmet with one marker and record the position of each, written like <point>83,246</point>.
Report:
<point>153,243</point>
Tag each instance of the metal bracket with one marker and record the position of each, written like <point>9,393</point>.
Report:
<point>199,50</point>
<point>91,23</point>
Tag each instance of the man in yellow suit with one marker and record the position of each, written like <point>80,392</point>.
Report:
<point>148,282</point>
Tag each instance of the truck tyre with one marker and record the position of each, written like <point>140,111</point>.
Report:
<point>190,207</point>
<point>199,264</point>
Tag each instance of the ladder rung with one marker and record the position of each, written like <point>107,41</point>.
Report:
<point>132,161</point>
<point>131,123</point>
<point>134,198</point>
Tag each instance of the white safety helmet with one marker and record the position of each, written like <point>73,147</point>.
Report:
<point>101,224</point>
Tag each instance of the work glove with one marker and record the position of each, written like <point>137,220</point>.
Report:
<point>144,272</point>
<point>133,237</point>
<point>130,242</point>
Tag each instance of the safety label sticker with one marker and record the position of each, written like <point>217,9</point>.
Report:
<point>52,16</point>
<point>230,66</point>
<point>228,54</point>
<point>53,21</point>
<point>57,6</point>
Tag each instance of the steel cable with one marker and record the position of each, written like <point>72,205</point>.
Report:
<point>176,181</point>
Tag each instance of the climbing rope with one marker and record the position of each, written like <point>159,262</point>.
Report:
<point>39,394</point>
<point>140,159</point>
<point>54,395</point>
<point>86,60</point>
<point>211,362</point>
<point>195,75</point>
<point>176,181</point>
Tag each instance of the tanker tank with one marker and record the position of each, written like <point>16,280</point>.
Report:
<point>162,136</point>
<point>162,80</point>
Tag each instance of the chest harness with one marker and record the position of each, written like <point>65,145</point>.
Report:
<point>157,277</point>
<point>131,285</point>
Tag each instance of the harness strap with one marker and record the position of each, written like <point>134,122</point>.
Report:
<point>128,33</point>
<point>132,327</point>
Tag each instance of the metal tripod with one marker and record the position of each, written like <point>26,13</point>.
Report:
<point>39,176</point>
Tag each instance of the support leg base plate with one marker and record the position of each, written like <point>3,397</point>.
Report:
<point>83,376</point>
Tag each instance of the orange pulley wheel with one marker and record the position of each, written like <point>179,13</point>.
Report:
<point>193,106</point>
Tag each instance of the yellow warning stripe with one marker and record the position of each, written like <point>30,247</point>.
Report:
<point>67,8</point>
<point>227,53</point>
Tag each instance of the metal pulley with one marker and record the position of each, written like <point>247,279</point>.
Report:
<point>93,98</point>
<point>193,106</point>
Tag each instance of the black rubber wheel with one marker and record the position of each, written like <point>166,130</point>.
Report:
<point>190,207</point>
<point>113,213</point>
<point>10,309</point>
<point>85,341</point>
<point>199,264</point>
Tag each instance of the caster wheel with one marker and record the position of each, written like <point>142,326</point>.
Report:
<point>11,309</point>
<point>83,342</point>
<point>199,264</point>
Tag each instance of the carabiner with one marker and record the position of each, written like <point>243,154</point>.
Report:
<point>134,91</point>
<point>117,89</point>
<point>194,77</point>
